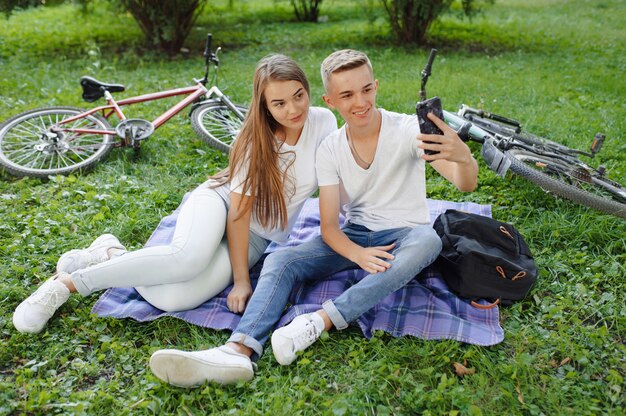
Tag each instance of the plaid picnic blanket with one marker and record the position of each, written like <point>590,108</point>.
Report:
<point>425,308</point>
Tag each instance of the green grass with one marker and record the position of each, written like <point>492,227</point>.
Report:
<point>555,65</point>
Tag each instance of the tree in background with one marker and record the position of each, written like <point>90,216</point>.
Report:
<point>165,24</point>
<point>411,19</point>
<point>306,10</point>
<point>8,6</point>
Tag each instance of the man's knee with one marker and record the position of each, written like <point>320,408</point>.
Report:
<point>423,239</point>
<point>432,239</point>
<point>274,261</point>
<point>275,265</point>
<point>283,264</point>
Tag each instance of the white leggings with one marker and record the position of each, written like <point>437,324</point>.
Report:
<point>192,269</point>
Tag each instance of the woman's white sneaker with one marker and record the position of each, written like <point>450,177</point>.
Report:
<point>33,313</point>
<point>192,368</point>
<point>303,331</point>
<point>96,253</point>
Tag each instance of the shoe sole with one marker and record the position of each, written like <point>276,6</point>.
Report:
<point>183,370</point>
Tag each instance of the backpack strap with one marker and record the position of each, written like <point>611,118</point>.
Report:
<point>489,306</point>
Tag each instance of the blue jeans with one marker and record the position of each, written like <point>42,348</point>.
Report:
<point>415,249</point>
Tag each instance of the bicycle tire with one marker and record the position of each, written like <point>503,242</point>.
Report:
<point>557,185</point>
<point>217,124</point>
<point>29,148</point>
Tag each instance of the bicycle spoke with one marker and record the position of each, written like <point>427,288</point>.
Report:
<point>16,146</point>
<point>16,137</point>
<point>43,124</point>
<point>26,157</point>
<point>35,131</point>
<point>78,153</point>
<point>30,161</point>
<point>221,125</point>
<point>21,151</point>
<point>38,156</point>
<point>62,157</point>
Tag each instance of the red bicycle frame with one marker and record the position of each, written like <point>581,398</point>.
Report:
<point>114,107</point>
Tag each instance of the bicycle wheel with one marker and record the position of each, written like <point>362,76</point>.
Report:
<point>569,181</point>
<point>31,143</point>
<point>217,124</point>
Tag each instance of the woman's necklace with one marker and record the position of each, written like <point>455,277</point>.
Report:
<point>362,162</point>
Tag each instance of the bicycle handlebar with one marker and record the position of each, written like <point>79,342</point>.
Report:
<point>426,73</point>
<point>211,57</point>
<point>429,64</point>
<point>207,47</point>
<point>517,127</point>
<point>487,114</point>
<point>463,127</point>
<point>505,120</point>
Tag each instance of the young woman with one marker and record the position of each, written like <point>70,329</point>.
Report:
<point>256,200</point>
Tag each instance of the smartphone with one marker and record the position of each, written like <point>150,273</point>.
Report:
<point>422,108</point>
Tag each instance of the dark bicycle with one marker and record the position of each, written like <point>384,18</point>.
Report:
<point>552,166</point>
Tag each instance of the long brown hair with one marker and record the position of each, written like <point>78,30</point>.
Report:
<point>256,147</point>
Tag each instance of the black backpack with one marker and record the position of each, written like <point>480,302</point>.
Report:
<point>483,258</point>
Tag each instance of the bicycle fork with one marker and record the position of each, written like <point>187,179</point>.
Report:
<point>221,97</point>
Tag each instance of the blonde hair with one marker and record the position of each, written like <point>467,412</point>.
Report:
<point>343,60</point>
<point>256,148</point>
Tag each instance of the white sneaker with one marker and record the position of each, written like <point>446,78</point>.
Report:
<point>33,313</point>
<point>188,369</point>
<point>303,331</point>
<point>96,253</point>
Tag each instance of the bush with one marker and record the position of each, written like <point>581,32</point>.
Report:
<point>411,19</point>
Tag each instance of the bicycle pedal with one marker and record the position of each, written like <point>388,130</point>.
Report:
<point>597,143</point>
<point>134,129</point>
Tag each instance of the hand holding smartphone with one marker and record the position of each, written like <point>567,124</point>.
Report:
<point>422,108</point>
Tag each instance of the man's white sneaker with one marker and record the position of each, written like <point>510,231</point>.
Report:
<point>192,368</point>
<point>96,253</point>
<point>33,313</point>
<point>303,331</point>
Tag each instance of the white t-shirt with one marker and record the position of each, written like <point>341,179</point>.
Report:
<point>392,192</point>
<point>319,124</point>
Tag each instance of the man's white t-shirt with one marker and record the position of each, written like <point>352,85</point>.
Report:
<point>391,193</point>
<point>319,124</point>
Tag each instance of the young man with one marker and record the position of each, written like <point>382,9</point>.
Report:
<point>372,168</point>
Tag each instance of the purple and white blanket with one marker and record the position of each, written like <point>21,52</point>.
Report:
<point>424,308</point>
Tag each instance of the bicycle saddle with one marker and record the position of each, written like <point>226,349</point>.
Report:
<point>94,89</point>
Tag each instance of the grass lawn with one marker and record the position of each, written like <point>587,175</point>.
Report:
<point>558,66</point>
